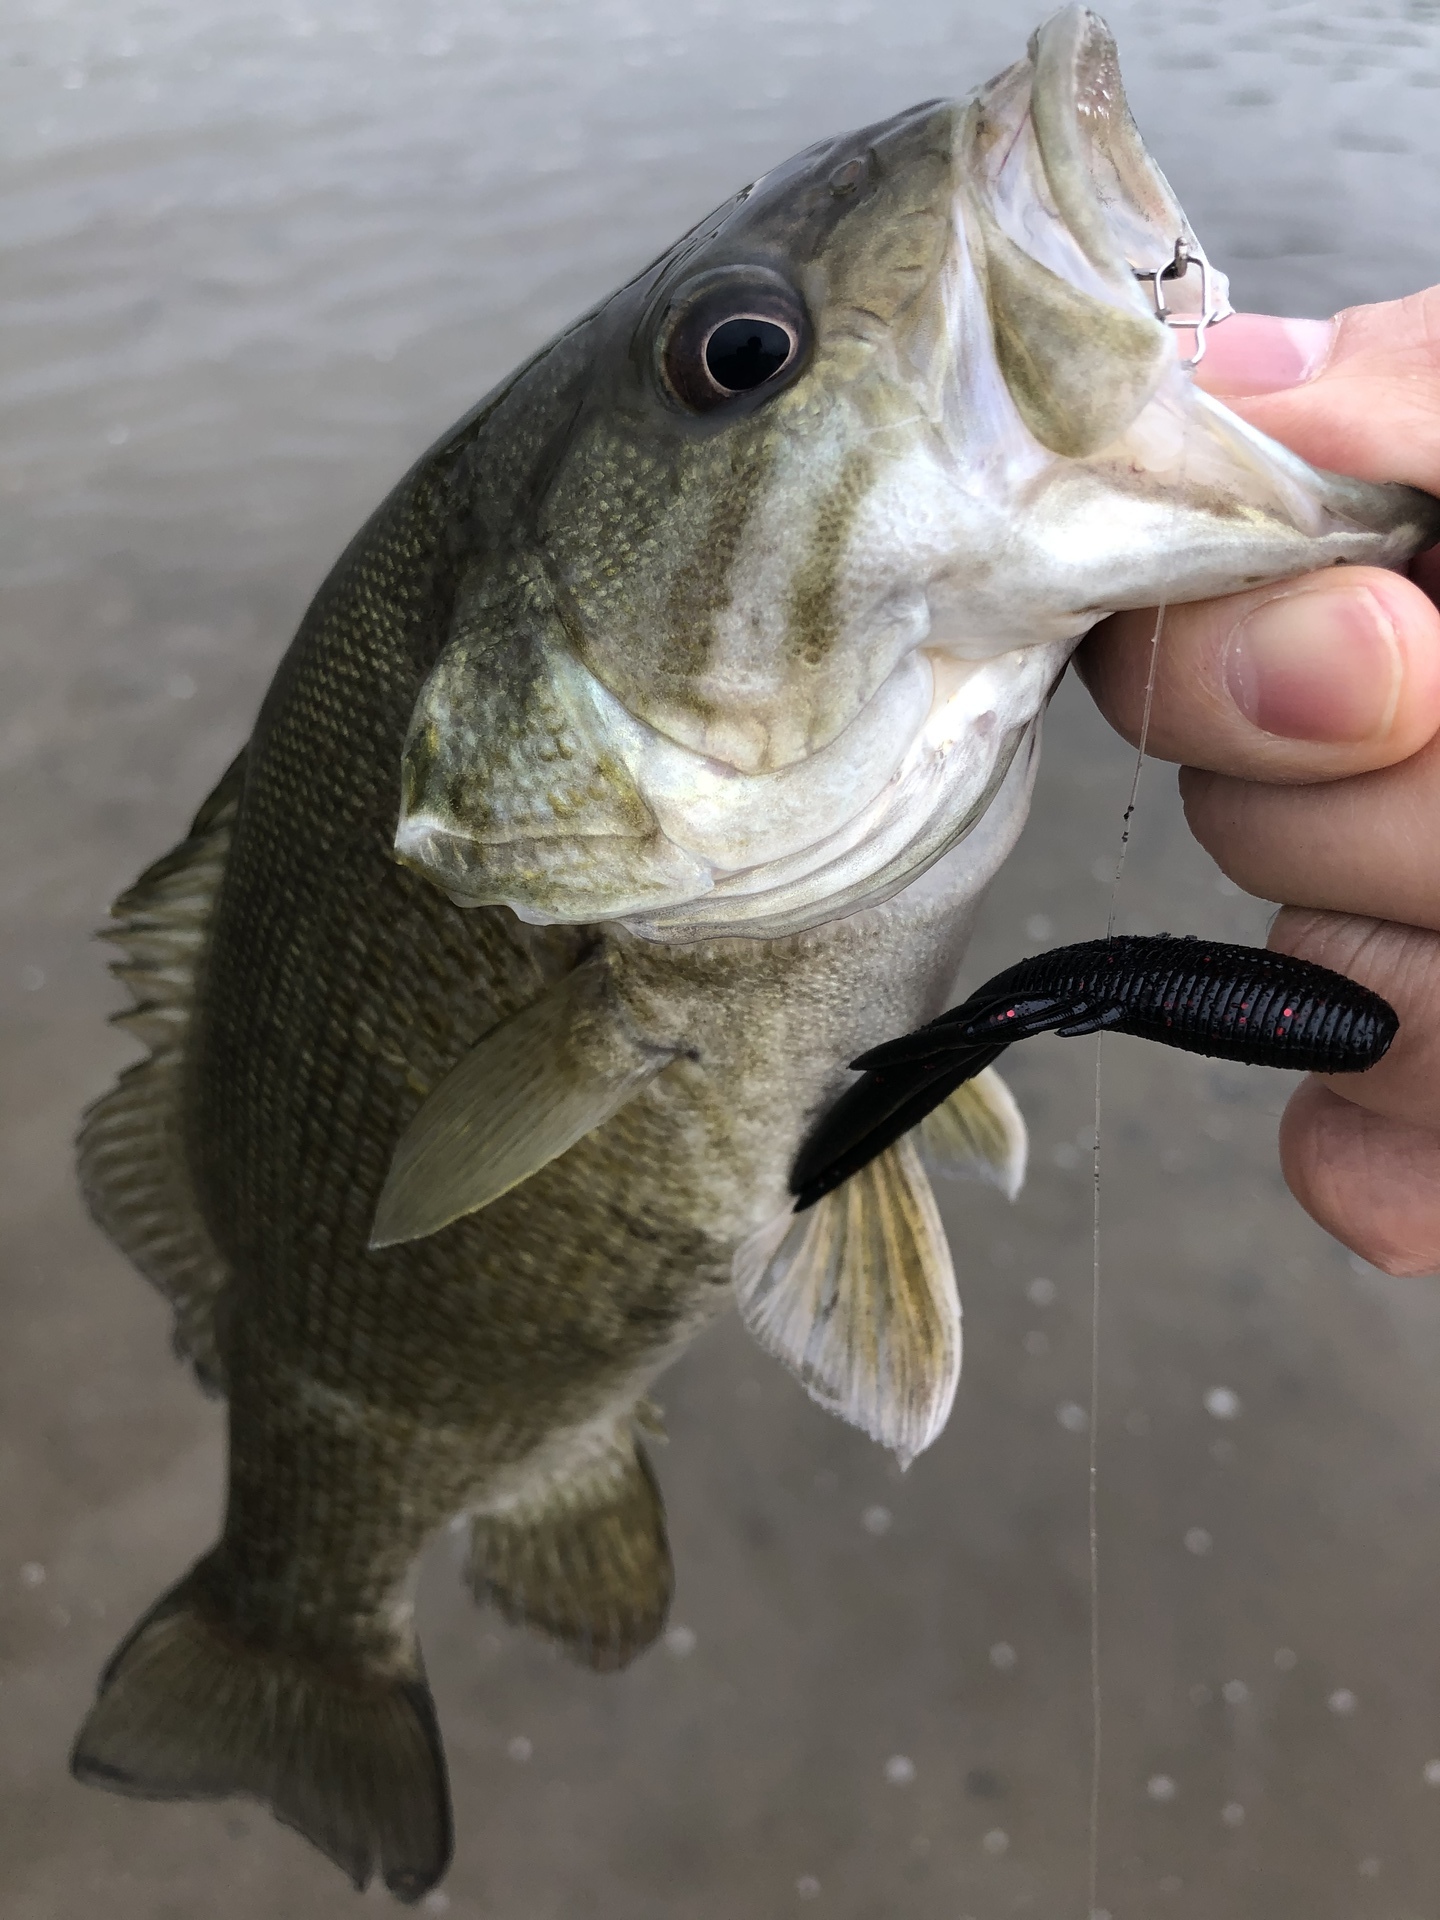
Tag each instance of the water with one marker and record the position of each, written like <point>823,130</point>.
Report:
<point>254,258</point>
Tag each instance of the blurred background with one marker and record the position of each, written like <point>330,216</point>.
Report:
<point>255,256</point>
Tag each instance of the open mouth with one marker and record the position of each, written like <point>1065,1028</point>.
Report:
<point>1083,242</point>
<point>1115,203</point>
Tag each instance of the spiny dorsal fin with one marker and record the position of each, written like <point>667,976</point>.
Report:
<point>521,1097</point>
<point>857,1296</point>
<point>131,1150</point>
<point>978,1134</point>
<point>582,1557</point>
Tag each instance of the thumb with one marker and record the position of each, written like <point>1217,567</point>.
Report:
<point>1359,394</point>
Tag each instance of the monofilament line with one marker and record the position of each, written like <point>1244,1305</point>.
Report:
<point>1094,1901</point>
<point>1129,812</point>
<point>1093,1907</point>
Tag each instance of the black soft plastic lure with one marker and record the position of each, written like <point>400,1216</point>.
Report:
<point>1235,1003</point>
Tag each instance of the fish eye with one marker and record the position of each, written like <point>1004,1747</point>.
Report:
<point>745,352</point>
<point>727,337</point>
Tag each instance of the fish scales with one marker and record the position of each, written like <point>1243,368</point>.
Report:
<point>644,758</point>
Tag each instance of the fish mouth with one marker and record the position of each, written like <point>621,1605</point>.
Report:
<point>1114,203</point>
<point>1087,257</point>
<point>1099,294</point>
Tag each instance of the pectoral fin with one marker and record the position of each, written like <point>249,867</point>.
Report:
<point>522,1096</point>
<point>978,1134</point>
<point>857,1296</point>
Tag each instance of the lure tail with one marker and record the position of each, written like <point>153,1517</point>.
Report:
<point>351,1759</point>
<point>872,1114</point>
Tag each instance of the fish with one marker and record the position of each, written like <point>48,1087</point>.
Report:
<point>643,758</point>
<point>1209,997</point>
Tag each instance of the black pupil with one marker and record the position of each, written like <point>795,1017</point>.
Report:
<point>744,353</point>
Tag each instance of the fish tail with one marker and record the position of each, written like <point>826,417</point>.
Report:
<point>349,1757</point>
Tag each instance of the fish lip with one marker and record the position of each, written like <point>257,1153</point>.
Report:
<point>1120,219</point>
<point>1057,128</point>
<point>1082,122</point>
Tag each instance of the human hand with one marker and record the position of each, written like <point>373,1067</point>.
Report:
<point>1307,717</point>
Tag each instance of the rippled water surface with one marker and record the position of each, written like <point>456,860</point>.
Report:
<point>254,258</point>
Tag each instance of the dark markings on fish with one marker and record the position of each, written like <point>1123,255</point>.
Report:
<point>700,586</point>
<point>1230,1002</point>
<point>811,616</point>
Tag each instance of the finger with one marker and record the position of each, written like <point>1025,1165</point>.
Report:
<point>1360,394</point>
<point>1365,846</point>
<point>1372,1181</point>
<point>1402,965</point>
<point>1318,679</point>
<point>1261,353</point>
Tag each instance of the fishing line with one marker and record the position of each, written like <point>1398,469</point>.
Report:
<point>1092,1907</point>
<point>1129,812</point>
<point>1214,307</point>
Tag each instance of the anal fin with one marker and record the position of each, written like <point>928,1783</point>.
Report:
<point>585,1559</point>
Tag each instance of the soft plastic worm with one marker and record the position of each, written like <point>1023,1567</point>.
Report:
<point>1234,1003</point>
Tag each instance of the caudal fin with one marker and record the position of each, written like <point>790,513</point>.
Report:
<point>351,1759</point>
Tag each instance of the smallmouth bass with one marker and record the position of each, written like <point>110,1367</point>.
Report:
<point>641,762</point>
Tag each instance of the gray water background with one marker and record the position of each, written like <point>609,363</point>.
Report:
<point>254,258</point>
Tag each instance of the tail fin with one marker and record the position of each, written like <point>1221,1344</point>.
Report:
<point>350,1759</point>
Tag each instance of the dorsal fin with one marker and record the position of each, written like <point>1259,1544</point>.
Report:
<point>857,1296</point>
<point>131,1149</point>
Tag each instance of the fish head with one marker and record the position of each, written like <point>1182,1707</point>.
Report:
<point>805,522</point>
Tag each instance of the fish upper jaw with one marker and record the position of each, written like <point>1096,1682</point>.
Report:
<point>1127,484</point>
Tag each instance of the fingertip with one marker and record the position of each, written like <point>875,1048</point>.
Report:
<point>1371,1181</point>
<point>1319,662</point>
<point>1255,353</point>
